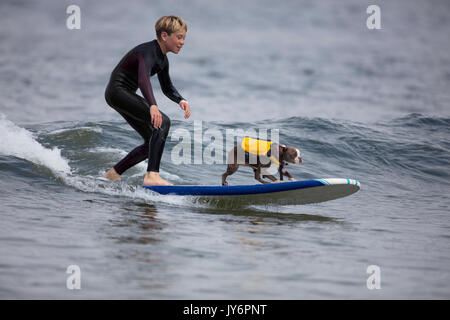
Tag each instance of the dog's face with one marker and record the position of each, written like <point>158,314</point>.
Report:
<point>291,155</point>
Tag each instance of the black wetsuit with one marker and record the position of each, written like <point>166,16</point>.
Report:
<point>133,72</point>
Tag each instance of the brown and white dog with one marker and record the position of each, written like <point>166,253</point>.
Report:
<point>260,155</point>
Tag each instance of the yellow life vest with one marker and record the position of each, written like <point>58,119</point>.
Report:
<point>258,147</point>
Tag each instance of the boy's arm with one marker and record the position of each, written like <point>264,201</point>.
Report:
<point>167,87</point>
<point>144,81</point>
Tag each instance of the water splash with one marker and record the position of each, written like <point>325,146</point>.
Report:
<point>21,143</point>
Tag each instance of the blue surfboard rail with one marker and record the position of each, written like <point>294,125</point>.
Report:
<point>195,190</point>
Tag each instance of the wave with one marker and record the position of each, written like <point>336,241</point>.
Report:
<point>422,121</point>
<point>413,147</point>
<point>21,143</point>
<point>78,129</point>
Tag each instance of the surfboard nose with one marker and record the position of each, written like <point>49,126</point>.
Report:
<point>340,181</point>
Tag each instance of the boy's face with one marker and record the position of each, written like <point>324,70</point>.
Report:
<point>175,41</point>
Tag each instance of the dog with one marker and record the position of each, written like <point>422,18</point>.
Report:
<point>264,157</point>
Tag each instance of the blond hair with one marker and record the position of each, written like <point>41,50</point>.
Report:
<point>169,24</point>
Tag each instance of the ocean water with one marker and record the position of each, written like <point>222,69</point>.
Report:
<point>371,105</point>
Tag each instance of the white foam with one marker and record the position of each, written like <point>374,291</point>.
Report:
<point>19,142</point>
<point>94,129</point>
<point>169,176</point>
<point>107,150</point>
<point>118,189</point>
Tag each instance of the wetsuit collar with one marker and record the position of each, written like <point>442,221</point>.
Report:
<point>158,50</point>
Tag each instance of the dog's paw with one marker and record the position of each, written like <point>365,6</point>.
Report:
<point>225,183</point>
<point>292,179</point>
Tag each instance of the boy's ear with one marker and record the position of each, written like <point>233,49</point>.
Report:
<point>164,35</point>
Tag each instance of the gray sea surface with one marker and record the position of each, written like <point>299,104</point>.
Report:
<point>371,105</point>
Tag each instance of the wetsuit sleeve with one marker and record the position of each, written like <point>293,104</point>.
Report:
<point>144,81</point>
<point>167,87</point>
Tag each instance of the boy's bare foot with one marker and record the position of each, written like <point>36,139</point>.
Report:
<point>153,179</point>
<point>112,175</point>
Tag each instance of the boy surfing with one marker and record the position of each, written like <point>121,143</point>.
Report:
<point>143,115</point>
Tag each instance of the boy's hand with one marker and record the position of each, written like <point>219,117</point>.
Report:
<point>156,117</point>
<point>187,109</point>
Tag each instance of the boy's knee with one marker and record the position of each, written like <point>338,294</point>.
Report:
<point>165,123</point>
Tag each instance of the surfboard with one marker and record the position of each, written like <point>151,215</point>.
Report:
<point>283,193</point>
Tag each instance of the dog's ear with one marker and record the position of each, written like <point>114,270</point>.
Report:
<point>283,147</point>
